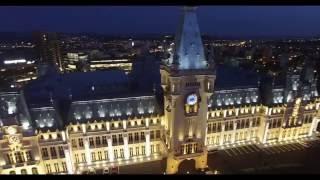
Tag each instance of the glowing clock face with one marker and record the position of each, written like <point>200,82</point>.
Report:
<point>192,99</point>
<point>13,139</point>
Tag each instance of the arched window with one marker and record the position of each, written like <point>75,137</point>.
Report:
<point>23,171</point>
<point>12,172</point>
<point>35,171</point>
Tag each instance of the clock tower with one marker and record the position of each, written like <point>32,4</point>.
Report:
<point>188,81</point>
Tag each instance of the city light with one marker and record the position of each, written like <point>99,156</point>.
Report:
<point>16,61</point>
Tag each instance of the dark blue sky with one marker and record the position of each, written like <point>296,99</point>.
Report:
<point>213,20</point>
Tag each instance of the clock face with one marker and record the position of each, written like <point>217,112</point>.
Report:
<point>13,139</point>
<point>192,99</point>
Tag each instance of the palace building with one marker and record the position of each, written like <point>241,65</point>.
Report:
<point>181,109</point>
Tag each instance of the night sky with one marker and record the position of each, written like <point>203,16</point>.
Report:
<point>235,21</point>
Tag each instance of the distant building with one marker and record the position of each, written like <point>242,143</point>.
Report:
<point>48,48</point>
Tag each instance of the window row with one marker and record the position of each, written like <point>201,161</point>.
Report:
<point>57,167</point>
<point>54,152</point>
<point>275,123</point>
<point>34,170</point>
<point>116,139</point>
<point>19,157</point>
<point>307,119</point>
<point>58,136</point>
<point>229,125</point>
<point>116,125</point>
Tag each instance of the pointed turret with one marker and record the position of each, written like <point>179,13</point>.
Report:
<point>189,53</point>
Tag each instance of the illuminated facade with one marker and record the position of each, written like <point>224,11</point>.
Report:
<point>200,112</point>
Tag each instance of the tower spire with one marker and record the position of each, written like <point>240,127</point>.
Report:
<point>189,52</point>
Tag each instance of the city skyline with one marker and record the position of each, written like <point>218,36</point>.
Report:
<point>233,21</point>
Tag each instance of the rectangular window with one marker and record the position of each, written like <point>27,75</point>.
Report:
<point>19,157</point>
<point>136,137</point>
<point>64,166</point>
<point>143,137</point>
<point>131,151</point>
<point>130,138</point>
<point>10,158</point>
<point>247,123</point>
<point>238,124</point>
<point>93,156</point>
<point>152,148</point>
<point>120,139</point>
<point>158,148</point>
<point>44,152</point>
<point>34,170</point>
<point>53,152</point>
<point>77,158</point>
<point>83,156</point>
<point>115,153</point>
<point>80,142</point>
<point>214,127</point>
<point>209,128</point>
<point>121,153</point>
<point>143,149</point>
<point>104,140</point>
<point>23,171</point>
<point>29,156</point>
<point>74,144</point>
<point>310,119</point>
<point>48,167</point>
<point>106,155</point>
<point>258,122</point>
<point>254,122</point>
<point>226,126</point>
<point>61,152</point>
<point>219,127</point>
<point>56,167</point>
<point>91,142</point>
<point>242,123</point>
<point>137,151</point>
<point>114,139</point>
<point>158,134</point>
<point>100,156</point>
<point>98,142</point>
<point>151,135</point>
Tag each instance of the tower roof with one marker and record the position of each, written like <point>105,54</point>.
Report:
<point>189,53</point>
